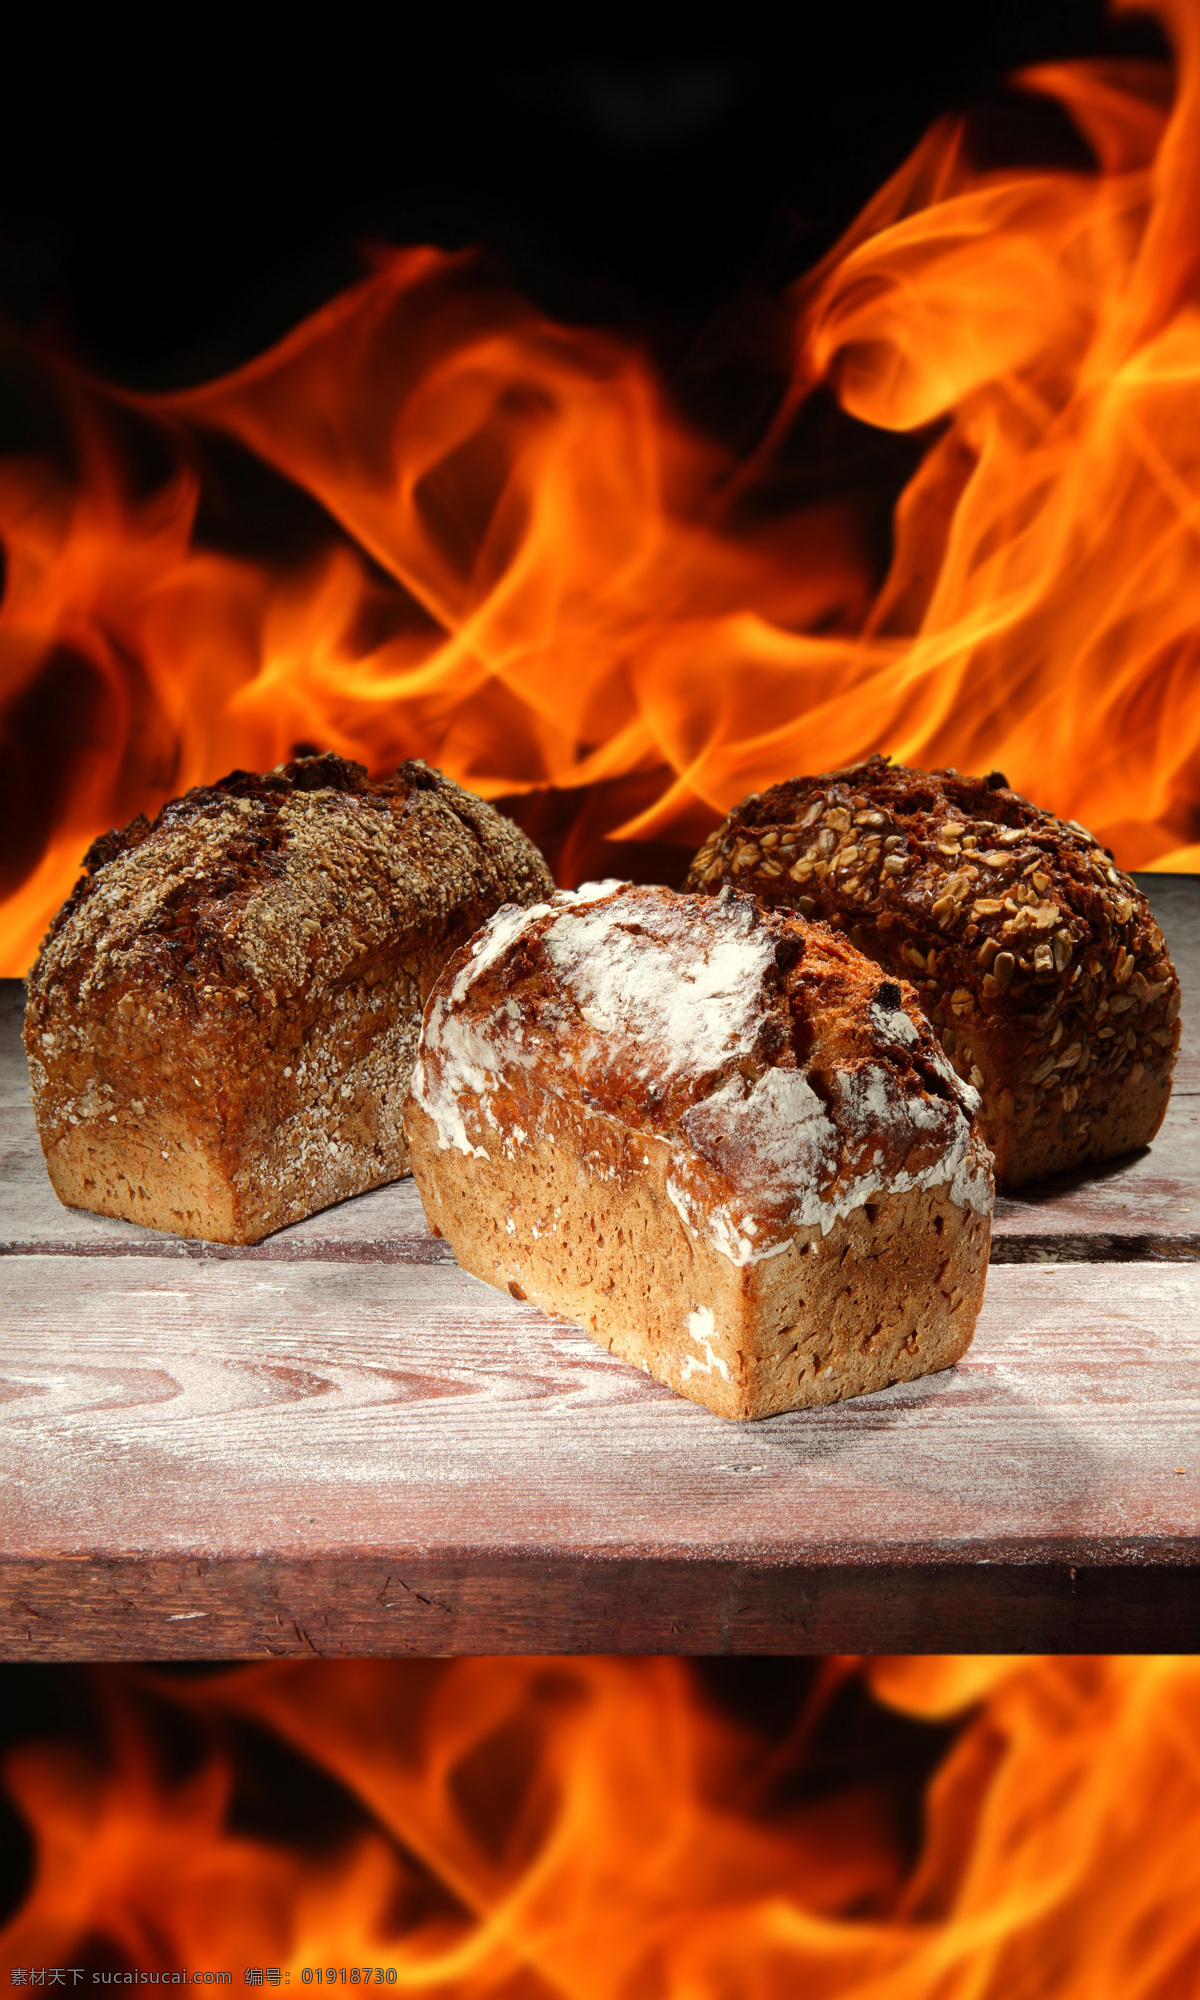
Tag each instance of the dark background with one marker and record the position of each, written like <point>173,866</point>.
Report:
<point>177,191</point>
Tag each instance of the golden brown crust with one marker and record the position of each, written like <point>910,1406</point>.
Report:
<point>1037,960</point>
<point>713,1135</point>
<point>222,1018</point>
<point>892,1293</point>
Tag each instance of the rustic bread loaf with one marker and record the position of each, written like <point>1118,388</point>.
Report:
<point>223,1018</point>
<point>710,1133</point>
<point>1036,959</point>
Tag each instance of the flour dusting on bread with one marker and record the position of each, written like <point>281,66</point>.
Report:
<point>655,1111</point>
<point>675,1011</point>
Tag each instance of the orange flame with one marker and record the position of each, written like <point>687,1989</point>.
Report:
<point>591,1828</point>
<point>521,564</point>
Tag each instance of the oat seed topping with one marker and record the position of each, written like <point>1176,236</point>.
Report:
<point>994,907</point>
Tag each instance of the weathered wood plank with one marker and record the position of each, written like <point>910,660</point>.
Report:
<point>383,1460</point>
<point>1175,900</point>
<point>1145,1206</point>
<point>224,1609</point>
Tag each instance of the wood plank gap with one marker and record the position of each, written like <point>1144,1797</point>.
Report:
<point>276,1250</point>
<point>1097,1249</point>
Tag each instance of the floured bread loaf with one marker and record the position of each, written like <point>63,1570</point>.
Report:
<point>1038,962</point>
<point>712,1134</point>
<point>222,1021</point>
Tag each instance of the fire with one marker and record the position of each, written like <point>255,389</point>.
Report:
<point>594,1828</point>
<point>510,555</point>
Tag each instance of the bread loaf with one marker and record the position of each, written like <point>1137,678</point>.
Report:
<point>1038,962</point>
<point>713,1135</point>
<point>222,1021</point>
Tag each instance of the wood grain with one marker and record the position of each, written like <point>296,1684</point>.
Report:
<point>222,1609</point>
<point>186,1441</point>
<point>336,1442</point>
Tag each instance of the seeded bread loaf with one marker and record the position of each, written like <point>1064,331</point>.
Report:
<point>711,1134</point>
<point>222,1022</point>
<point>1036,959</point>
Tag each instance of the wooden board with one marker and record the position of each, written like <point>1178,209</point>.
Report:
<point>402,1458</point>
<point>338,1443</point>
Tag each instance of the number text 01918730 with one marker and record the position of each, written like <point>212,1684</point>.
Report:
<point>348,1975</point>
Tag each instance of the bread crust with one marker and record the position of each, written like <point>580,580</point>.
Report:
<point>1038,962</point>
<point>223,1017</point>
<point>712,1135</point>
